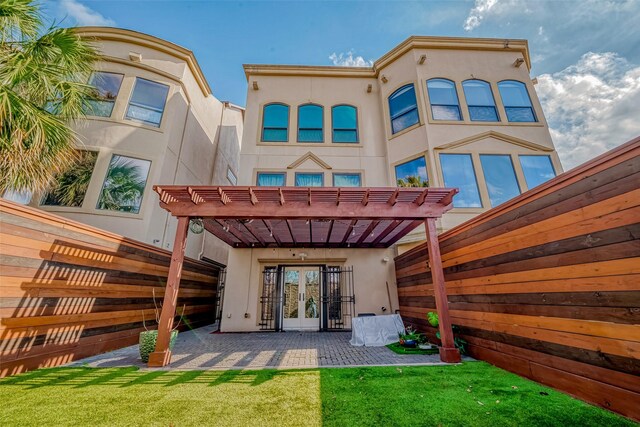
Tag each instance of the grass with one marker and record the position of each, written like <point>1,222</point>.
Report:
<point>470,394</point>
<point>397,348</point>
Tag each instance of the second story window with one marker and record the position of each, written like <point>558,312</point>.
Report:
<point>271,179</point>
<point>537,169</point>
<point>403,108</point>
<point>458,172</point>
<point>344,120</point>
<point>147,102</point>
<point>347,180</point>
<point>275,123</point>
<point>309,179</point>
<point>517,103</point>
<point>106,88</point>
<point>310,118</point>
<point>444,99</point>
<point>500,177</point>
<point>482,106</point>
<point>412,173</point>
<point>124,184</point>
<point>71,186</point>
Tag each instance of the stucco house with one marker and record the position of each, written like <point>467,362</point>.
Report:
<point>434,111</point>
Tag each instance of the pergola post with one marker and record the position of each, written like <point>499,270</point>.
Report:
<point>162,355</point>
<point>448,351</point>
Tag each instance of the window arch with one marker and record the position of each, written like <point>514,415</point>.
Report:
<point>480,101</point>
<point>344,123</point>
<point>310,123</point>
<point>516,100</point>
<point>444,99</point>
<point>403,108</point>
<point>275,123</point>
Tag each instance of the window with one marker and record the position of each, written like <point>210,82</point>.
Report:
<point>147,102</point>
<point>310,119</point>
<point>233,179</point>
<point>500,177</point>
<point>344,119</point>
<point>444,100</point>
<point>537,169</point>
<point>516,101</point>
<point>309,179</point>
<point>347,180</point>
<point>107,86</point>
<point>403,108</point>
<point>124,184</point>
<point>458,172</point>
<point>275,123</point>
<point>482,106</point>
<point>412,173</point>
<point>71,186</point>
<point>271,179</point>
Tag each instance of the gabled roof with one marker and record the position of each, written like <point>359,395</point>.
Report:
<point>495,135</point>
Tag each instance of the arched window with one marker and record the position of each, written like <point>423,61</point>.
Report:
<point>517,103</point>
<point>275,123</point>
<point>444,99</point>
<point>403,108</point>
<point>310,123</point>
<point>344,121</point>
<point>482,106</point>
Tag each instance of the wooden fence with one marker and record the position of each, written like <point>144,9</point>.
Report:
<point>548,284</point>
<point>68,290</point>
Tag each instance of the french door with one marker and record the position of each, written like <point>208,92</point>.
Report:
<point>301,298</point>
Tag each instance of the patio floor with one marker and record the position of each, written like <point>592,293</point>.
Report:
<point>200,350</point>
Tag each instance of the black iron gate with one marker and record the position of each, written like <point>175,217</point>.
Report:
<point>222,277</point>
<point>270,301</point>
<point>337,298</point>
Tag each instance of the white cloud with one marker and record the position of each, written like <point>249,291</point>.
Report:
<point>348,60</point>
<point>591,106</point>
<point>476,15</point>
<point>84,15</point>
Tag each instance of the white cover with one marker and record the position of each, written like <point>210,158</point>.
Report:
<point>376,331</point>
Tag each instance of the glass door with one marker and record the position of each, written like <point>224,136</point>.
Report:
<point>301,303</point>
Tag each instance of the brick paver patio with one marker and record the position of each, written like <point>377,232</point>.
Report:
<point>199,349</point>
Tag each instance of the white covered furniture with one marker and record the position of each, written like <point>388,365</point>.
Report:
<point>376,331</point>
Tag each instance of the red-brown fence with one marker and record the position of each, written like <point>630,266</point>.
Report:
<point>548,284</point>
<point>68,290</point>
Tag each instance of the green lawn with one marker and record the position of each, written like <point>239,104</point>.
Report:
<point>471,394</point>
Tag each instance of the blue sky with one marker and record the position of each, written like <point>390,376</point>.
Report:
<point>586,54</point>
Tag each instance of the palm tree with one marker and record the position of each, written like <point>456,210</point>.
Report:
<point>413,181</point>
<point>43,89</point>
<point>123,187</point>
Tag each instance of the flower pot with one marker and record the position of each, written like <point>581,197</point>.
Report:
<point>148,340</point>
<point>409,343</point>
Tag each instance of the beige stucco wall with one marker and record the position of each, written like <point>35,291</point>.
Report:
<point>197,140</point>
<point>244,280</point>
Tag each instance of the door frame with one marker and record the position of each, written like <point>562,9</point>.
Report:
<point>282,268</point>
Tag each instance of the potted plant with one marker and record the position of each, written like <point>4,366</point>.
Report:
<point>148,338</point>
<point>410,338</point>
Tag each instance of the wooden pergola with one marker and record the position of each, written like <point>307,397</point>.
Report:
<point>285,217</point>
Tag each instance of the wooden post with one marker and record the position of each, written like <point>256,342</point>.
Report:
<point>448,351</point>
<point>162,355</point>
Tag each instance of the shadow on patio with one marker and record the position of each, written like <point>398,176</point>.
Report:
<point>200,349</point>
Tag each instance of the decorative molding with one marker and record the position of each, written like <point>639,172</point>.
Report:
<point>310,156</point>
<point>151,42</point>
<point>413,42</point>
<point>495,135</point>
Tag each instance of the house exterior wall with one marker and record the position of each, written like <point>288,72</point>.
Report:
<point>245,279</point>
<point>378,150</point>
<point>197,140</point>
